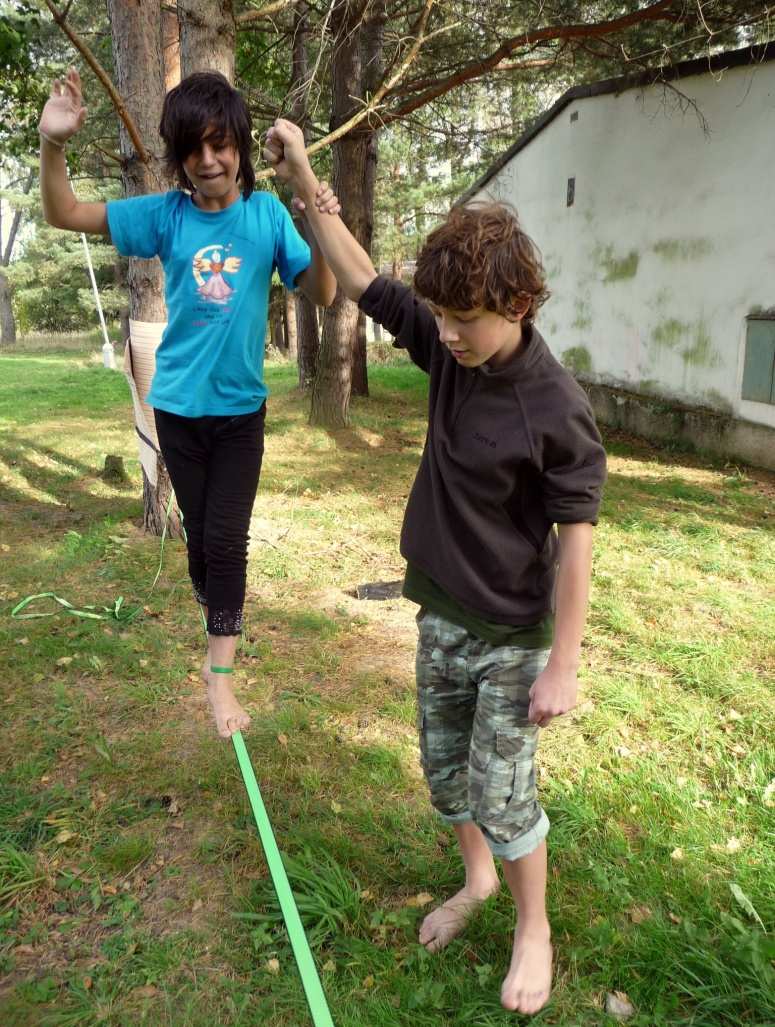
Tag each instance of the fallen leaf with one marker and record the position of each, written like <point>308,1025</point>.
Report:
<point>273,966</point>
<point>618,1005</point>
<point>110,889</point>
<point>63,661</point>
<point>416,901</point>
<point>769,792</point>
<point>640,913</point>
<point>733,844</point>
<point>65,836</point>
<point>143,663</point>
<point>734,715</point>
<point>147,991</point>
<point>622,750</point>
<point>87,983</point>
<point>23,950</point>
<point>22,641</point>
<point>197,906</point>
<point>677,854</point>
<point>368,982</point>
<point>366,894</point>
<point>5,547</point>
<point>173,807</point>
<point>283,740</point>
<point>674,918</point>
<point>329,966</point>
<point>336,807</point>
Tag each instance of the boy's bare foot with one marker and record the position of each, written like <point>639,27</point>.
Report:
<point>449,919</point>
<point>229,715</point>
<point>528,984</point>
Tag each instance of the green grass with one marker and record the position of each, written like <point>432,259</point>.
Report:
<point>133,888</point>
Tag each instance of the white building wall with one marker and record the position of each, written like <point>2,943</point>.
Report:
<point>670,242</point>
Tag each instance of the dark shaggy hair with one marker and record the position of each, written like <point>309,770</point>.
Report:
<point>202,101</point>
<point>480,257</point>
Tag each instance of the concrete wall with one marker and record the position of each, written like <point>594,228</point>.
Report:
<point>670,241</point>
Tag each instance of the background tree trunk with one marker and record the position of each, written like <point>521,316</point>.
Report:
<point>358,31</point>
<point>207,36</point>
<point>292,331</point>
<point>137,57</point>
<point>170,41</point>
<point>306,319</point>
<point>7,320</point>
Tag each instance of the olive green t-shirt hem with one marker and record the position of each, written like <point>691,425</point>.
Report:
<point>421,589</point>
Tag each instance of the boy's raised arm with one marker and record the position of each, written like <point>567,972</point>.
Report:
<point>350,263</point>
<point>62,116</point>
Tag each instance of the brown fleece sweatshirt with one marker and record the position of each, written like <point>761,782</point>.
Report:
<point>509,453</point>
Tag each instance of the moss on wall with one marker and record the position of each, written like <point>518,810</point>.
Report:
<point>577,359</point>
<point>671,333</point>
<point>701,353</point>
<point>582,321</point>
<point>617,269</point>
<point>682,249</point>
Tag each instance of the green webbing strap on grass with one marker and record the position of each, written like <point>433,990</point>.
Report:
<point>113,612</point>
<point>316,999</point>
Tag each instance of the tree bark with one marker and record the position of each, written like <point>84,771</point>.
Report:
<point>207,36</point>
<point>170,41</point>
<point>7,320</point>
<point>306,318</point>
<point>137,57</point>
<point>308,333</point>
<point>291,326</point>
<point>333,383</point>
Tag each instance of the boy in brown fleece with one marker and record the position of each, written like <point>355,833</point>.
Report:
<point>512,450</point>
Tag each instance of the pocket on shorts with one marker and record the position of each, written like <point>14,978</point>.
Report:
<point>509,785</point>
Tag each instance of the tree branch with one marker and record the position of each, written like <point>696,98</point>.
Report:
<point>263,12</point>
<point>371,106</point>
<point>476,69</point>
<point>61,19</point>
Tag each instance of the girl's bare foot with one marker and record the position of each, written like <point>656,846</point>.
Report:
<point>229,715</point>
<point>449,920</point>
<point>528,984</point>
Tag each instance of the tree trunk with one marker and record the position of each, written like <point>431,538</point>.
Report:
<point>207,36</point>
<point>170,41</point>
<point>355,69</point>
<point>137,57</point>
<point>333,383</point>
<point>306,316</point>
<point>291,326</point>
<point>308,333</point>
<point>7,320</point>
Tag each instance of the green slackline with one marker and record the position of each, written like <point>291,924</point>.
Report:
<point>316,999</point>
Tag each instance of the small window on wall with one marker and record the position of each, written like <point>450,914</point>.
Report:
<point>759,367</point>
<point>570,196</point>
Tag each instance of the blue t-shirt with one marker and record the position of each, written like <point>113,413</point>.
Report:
<point>218,270</point>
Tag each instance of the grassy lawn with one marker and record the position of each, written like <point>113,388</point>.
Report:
<point>133,888</point>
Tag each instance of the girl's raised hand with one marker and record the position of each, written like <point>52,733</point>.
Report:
<point>64,112</point>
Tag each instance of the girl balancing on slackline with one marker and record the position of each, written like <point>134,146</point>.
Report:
<point>219,242</point>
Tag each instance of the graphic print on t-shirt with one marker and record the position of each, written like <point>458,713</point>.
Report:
<point>209,271</point>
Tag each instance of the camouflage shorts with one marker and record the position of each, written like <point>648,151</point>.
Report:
<point>477,747</point>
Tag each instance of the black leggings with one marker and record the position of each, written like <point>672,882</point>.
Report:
<point>214,464</point>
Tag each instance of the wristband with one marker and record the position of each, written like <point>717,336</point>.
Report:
<point>59,146</point>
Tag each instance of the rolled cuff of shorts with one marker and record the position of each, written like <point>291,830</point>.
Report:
<point>525,844</point>
<point>455,818</point>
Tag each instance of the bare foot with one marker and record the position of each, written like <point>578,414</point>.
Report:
<point>229,715</point>
<point>528,984</point>
<point>449,920</point>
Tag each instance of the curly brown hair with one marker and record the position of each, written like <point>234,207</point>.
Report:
<point>480,257</point>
